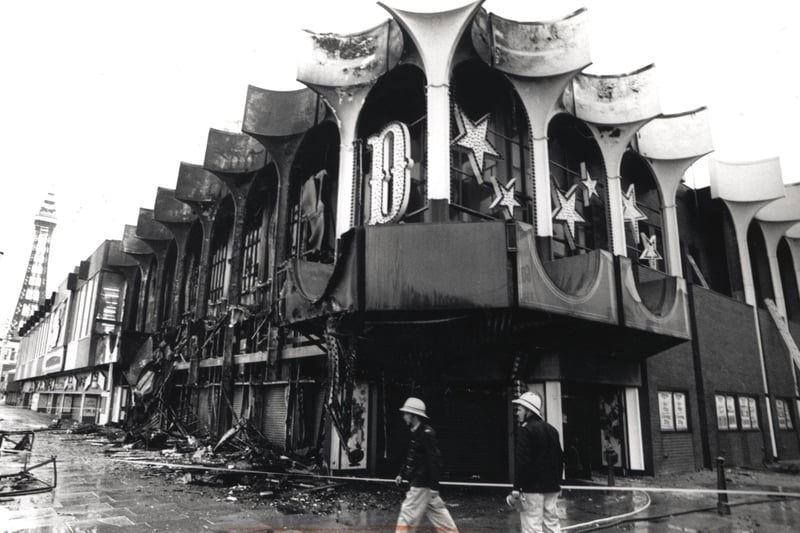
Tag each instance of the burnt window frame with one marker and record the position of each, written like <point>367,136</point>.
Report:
<point>508,132</point>
<point>648,227</point>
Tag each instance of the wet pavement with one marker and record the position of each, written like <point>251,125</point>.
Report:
<point>95,493</point>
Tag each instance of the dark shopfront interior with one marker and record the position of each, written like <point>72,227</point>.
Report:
<point>593,418</point>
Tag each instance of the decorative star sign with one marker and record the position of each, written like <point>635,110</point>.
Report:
<point>589,184</point>
<point>472,137</point>
<point>504,196</point>
<point>565,212</point>
<point>650,252</point>
<point>631,212</point>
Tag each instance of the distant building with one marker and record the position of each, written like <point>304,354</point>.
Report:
<point>31,294</point>
<point>453,210</point>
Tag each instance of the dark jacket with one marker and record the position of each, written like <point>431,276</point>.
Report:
<point>538,458</point>
<point>423,463</point>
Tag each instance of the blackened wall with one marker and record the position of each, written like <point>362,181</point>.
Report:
<point>702,231</point>
<point>781,384</point>
<point>729,357</point>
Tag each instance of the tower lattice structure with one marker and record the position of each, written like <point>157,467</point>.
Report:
<point>33,291</point>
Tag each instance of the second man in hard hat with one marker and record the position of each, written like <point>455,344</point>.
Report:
<point>538,463</point>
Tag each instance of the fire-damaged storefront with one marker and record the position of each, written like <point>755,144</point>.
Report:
<point>478,253</point>
<point>453,209</point>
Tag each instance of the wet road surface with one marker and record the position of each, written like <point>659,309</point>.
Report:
<point>95,493</point>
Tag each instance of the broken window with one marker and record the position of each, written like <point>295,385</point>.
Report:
<point>219,252</point>
<point>191,268</point>
<point>313,195</point>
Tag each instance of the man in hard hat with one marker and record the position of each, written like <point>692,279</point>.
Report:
<point>421,468</point>
<point>538,463</point>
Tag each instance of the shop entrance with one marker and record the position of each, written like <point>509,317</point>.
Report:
<point>471,423</point>
<point>592,424</point>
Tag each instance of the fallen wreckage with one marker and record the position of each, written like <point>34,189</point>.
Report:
<point>18,445</point>
<point>165,400</point>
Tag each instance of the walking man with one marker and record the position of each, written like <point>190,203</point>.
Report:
<point>538,462</point>
<point>421,468</point>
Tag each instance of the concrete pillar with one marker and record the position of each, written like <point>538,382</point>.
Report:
<point>344,80</point>
<point>671,144</point>
<point>633,429</point>
<point>746,188</point>
<point>775,219</point>
<point>540,59</point>
<point>436,35</point>
<point>615,108</point>
<point>552,405</point>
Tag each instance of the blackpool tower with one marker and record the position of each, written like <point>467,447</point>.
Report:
<point>34,286</point>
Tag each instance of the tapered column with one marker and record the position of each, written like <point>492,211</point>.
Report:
<point>746,188</point>
<point>775,219</point>
<point>202,191</point>
<point>158,238</point>
<point>143,255</point>
<point>436,35</point>
<point>615,107</point>
<point>234,158</point>
<point>540,59</point>
<point>177,217</point>
<point>343,69</point>
<point>279,120</point>
<point>671,144</point>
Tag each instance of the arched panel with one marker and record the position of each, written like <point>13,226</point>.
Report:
<point>313,188</point>
<point>220,251</point>
<point>398,97</point>
<point>490,147</point>
<point>791,293</point>
<point>259,209</point>
<point>641,211</point>
<point>191,267</point>
<point>578,190</point>
<point>165,300</point>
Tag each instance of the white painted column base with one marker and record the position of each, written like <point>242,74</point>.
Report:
<point>633,423</point>
<point>552,407</point>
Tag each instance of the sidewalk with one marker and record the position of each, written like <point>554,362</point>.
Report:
<point>97,494</point>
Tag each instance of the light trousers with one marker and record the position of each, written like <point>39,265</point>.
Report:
<point>421,502</point>
<point>539,513</point>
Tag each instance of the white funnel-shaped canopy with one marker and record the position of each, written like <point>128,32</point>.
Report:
<point>746,188</point>
<point>532,49</point>
<point>671,144</point>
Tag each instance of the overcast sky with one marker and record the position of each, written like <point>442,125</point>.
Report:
<point>100,100</point>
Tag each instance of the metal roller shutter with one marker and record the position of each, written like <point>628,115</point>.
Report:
<point>238,400</point>
<point>202,406</point>
<point>274,423</point>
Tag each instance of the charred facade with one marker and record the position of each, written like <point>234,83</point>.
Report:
<point>453,209</point>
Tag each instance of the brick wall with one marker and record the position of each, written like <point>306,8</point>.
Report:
<point>781,384</point>
<point>673,370</point>
<point>729,357</point>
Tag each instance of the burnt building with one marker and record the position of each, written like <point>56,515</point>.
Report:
<point>453,209</point>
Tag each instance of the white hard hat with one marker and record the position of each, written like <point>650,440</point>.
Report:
<point>414,406</point>
<point>531,401</point>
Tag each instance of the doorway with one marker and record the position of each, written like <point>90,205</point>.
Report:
<point>593,425</point>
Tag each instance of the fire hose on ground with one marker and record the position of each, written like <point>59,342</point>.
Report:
<point>600,523</point>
